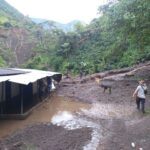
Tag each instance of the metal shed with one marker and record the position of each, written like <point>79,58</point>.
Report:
<point>21,89</point>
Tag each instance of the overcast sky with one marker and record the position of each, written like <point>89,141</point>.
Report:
<point>62,11</point>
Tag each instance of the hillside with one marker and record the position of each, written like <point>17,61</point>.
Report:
<point>16,36</point>
<point>10,17</point>
<point>119,38</point>
<point>20,37</point>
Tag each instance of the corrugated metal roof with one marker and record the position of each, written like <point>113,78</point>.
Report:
<point>9,71</point>
<point>2,79</point>
<point>29,77</point>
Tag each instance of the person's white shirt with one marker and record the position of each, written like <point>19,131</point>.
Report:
<point>140,91</point>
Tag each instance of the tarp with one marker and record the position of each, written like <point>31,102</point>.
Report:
<point>31,76</point>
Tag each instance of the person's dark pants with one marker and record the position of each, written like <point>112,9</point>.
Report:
<point>140,101</point>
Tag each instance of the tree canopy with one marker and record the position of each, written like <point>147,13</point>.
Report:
<point>119,37</point>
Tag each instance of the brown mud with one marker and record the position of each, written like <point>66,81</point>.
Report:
<point>42,113</point>
<point>88,119</point>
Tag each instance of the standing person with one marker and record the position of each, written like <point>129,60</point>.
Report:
<point>139,93</point>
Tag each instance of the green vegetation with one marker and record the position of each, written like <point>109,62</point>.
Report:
<point>2,62</point>
<point>16,31</point>
<point>120,37</point>
<point>10,16</point>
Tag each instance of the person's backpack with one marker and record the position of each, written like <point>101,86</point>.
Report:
<point>145,90</point>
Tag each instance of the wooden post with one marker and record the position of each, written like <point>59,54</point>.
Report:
<point>21,92</point>
<point>3,90</point>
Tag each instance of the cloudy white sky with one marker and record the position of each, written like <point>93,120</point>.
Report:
<point>62,11</point>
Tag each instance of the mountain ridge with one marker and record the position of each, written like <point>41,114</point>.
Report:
<point>50,24</point>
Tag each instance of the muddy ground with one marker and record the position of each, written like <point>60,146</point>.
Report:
<point>48,137</point>
<point>110,123</point>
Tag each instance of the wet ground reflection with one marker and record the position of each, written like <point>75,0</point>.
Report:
<point>42,113</point>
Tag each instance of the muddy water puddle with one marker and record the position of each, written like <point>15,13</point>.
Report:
<point>43,113</point>
<point>73,121</point>
<point>71,115</point>
<point>93,118</point>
